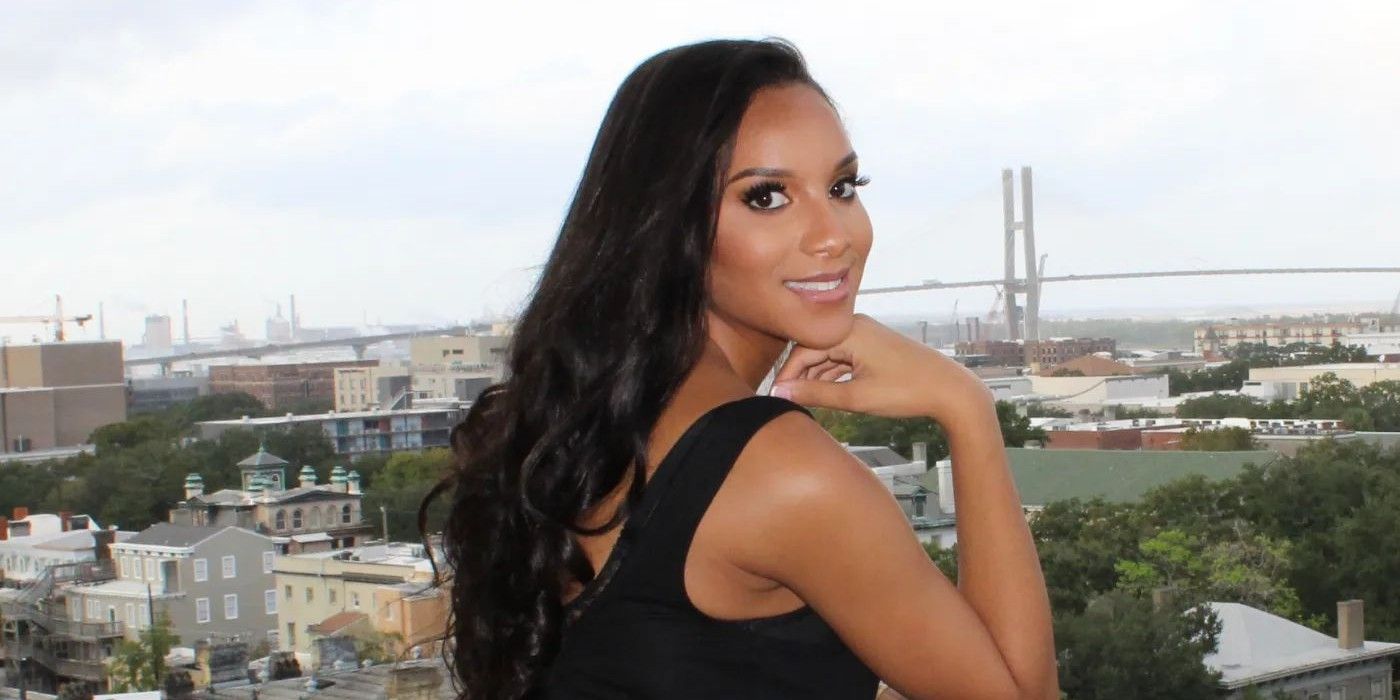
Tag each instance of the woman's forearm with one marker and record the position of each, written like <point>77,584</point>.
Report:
<point>998,569</point>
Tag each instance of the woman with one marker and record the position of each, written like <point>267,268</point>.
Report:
<point>629,519</point>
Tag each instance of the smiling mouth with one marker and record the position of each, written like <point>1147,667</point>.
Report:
<point>824,286</point>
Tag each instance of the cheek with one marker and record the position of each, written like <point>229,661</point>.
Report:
<point>746,259</point>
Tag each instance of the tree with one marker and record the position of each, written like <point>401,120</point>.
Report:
<point>1218,439</point>
<point>140,665</point>
<point>899,434</point>
<point>1121,646</point>
<point>399,487</point>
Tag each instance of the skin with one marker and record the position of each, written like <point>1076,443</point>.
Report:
<point>816,508</point>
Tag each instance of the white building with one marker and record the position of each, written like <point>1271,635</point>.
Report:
<point>30,544</point>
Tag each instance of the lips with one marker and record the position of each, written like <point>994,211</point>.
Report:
<point>825,287</point>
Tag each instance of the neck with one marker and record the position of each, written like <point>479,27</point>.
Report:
<point>747,352</point>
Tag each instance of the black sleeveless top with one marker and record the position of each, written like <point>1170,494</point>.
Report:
<point>634,633</point>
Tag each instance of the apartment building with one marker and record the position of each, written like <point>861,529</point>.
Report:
<point>1216,337</point>
<point>31,543</point>
<point>362,432</point>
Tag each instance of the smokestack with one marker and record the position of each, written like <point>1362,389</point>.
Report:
<point>65,518</point>
<point>1351,630</point>
<point>4,528</point>
<point>945,486</point>
<point>295,325</point>
<point>20,513</point>
<point>185,314</point>
<point>101,322</point>
<point>921,453</point>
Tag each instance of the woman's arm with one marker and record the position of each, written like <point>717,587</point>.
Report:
<point>994,627</point>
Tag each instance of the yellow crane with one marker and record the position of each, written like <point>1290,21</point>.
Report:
<point>57,319</point>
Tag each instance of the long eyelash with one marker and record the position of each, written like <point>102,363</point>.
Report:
<point>762,188</point>
<point>856,181</point>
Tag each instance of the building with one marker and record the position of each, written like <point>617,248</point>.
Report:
<point>376,590</point>
<point>307,517</point>
<point>904,478</point>
<point>55,395</point>
<point>58,647</point>
<point>158,335</point>
<point>1089,366</point>
<point>1119,476</point>
<point>282,386</point>
<point>361,432</point>
<point>152,394</point>
<point>1162,360</point>
<point>459,351</point>
<point>413,679</point>
<point>1091,394</point>
<point>1266,654</point>
<point>1123,434</point>
<point>214,583</point>
<point>370,388</point>
<point>1384,345</point>
<point>31,543</point>
<point>1214,338</point>
<point>1032,353</point>
<point>1295,379</point>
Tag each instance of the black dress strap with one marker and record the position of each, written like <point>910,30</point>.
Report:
<point>689,486</point>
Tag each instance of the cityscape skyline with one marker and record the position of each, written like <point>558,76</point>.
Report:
<point>225,149</point>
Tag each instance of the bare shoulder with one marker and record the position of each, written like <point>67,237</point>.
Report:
<point>799,478</point>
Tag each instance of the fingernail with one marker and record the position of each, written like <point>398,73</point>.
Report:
<point>781,392</point>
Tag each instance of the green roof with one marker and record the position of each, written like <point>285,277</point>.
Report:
<point>1120,476</point>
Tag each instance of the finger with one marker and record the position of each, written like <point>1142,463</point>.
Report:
<point>816,371</point>
<point>835,372</point>
<point>809,392</point>
<point>799,361</point>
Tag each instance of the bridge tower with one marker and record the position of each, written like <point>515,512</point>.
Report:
<point>1013,285</point>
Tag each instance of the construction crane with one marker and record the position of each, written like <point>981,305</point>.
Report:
<point>57,319</point>
<point>1395,308</point>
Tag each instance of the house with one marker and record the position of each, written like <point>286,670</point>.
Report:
<point>904,478</point>
<point>376,590</point>
<point>302,518</point>
<point>31,543</point>
<point>212,583</point>
<point>1270,654</point>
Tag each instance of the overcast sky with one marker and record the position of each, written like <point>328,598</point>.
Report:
<point>409,162</point>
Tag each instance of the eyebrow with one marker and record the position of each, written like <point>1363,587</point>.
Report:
<point>780,172</point>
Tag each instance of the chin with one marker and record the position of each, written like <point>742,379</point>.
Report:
<point>822,333</point>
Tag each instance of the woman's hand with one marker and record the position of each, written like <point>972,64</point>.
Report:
<point>890,375</point>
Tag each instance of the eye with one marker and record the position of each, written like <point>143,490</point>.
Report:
<point>766,196</point>
<point>845,188</point>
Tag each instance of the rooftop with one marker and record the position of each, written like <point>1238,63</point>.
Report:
<point>169,535</point>
<point>1255,646</point>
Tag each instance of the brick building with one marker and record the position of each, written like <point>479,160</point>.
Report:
<point>281,386</point>
<point>1034,353</point>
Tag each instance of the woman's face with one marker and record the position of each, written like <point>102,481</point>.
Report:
<point>792,234</point>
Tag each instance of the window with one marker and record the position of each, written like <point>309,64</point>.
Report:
<point>111,613</point>
<point>279,521</point>
<point>229,563</point>
<point>330,594</point>
<point>355,600</point>
<point>130,615</point>
<point>291,634</point>
<point>345,513</point>
<point>288,591</point>
<point>94,609</point>
<point>296,519</point>
<point>309,594</point>
<point>270,601</point>
<point>143,615</point>
<point>315,518</point>
<point>267,562</point>
<point>122,567</point>
<point>201,569</point>
<point>150,569</point>
<point>1339,693</point>
<point>201,610</point>
<point>231,606</point>
<point>1378,689</point>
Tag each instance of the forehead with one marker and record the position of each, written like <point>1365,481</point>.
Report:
<point>791,127</point>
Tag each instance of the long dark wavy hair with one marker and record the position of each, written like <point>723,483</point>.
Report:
<point>614,325</point>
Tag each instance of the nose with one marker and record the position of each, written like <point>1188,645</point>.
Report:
<point>826,233</point>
